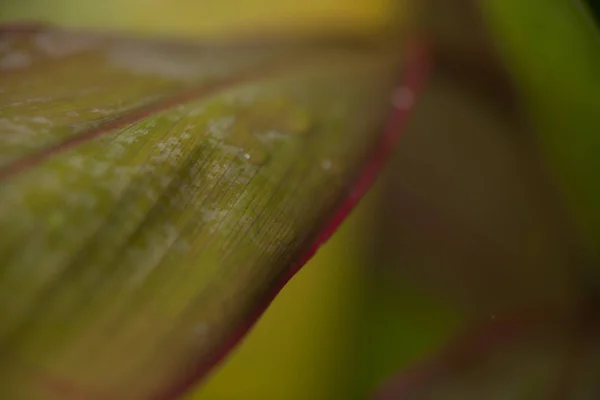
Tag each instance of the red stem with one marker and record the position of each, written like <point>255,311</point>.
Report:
<point>199,92</point>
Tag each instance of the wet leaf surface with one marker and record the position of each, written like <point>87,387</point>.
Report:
<point>155,194</point>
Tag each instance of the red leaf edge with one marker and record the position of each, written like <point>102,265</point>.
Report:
<point>478,339</point>
<point>415,73</point>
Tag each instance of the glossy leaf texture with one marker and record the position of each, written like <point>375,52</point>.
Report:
<point>155,195</point>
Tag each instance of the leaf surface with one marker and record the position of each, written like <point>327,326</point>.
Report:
<point>155,194</point>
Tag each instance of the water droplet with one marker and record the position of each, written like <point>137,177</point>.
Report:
<point>251,149</point>
<point>257,154</point>
<point>326,164</point>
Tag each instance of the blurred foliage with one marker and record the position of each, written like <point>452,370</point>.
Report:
<point>555,58</point>
<point>205,17</point>
<point>465,223</point>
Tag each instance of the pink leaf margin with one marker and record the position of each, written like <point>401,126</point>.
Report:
<point>484,337</point>
<point>415,74</point>
<point>416,69</point>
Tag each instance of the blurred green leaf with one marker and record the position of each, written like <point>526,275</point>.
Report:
<point>466,214</point>
<point>538,356</point>
<point>470,218</point>
<point>553,49</point>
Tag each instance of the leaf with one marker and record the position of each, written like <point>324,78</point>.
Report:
<point>468,230</point>
<point>156,194</point>
<point>552,49</point>
<point>466,215</point>
<point>470,221</point>
<point>542,355</point>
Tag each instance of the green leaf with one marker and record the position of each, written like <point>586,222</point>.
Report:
<point>154,194</point>
<point>553,49</point>
<point>467,215</point>
<point>534,356</point>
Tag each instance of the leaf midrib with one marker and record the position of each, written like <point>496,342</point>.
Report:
<point>196,92</point>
